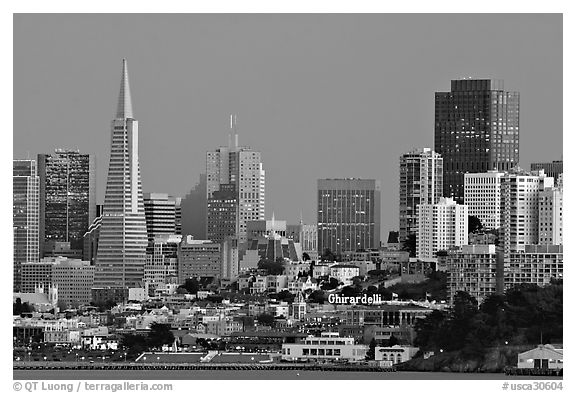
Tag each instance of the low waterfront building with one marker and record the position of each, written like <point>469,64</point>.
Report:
<point>542,357</point>
<point>394,354</point>
<point>329,346</point>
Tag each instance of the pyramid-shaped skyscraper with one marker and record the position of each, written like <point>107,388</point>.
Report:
<point>122,245</point>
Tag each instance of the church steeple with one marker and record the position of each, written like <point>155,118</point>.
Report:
<point>124,110</point>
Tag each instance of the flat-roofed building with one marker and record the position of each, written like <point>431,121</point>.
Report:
<point>329,346</point>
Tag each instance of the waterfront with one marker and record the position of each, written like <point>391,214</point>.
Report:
<point>254,374</point>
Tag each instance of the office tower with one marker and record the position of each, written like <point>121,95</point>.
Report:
<point>348,214</point>
<point>67,197</point>
<point>122,243</point>
<point>198,258</point>
<point>552,169</point>
<point>25,215</point>
<point>476,129</point>
<point>519,208</point>
<point>441,226</point>
<point>472,269</point>
<point>37,274</point>
<point>550,217</point>
<point>242,167</point>
<point>194,210</point>
<point>160,212</point>
<point>482,196</point>
<point>222,214</point>
<point>74,279</point>
<point>420,184</point>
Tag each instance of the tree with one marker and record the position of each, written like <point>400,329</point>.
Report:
<point>328,255</point>
<point>474,224</point>
<point>134,344</point>
<point>159,335</point>
<point>371,353</point>
<point>332,283</point>
<point>19,308</point>
<point>285,296</point>
<point>393,341</point>
<point>305,256</point>
<point>271,267</point>
<point>409,244</point>
<point>191,285</point>
<point>316,297</point>
<point>266,319</point>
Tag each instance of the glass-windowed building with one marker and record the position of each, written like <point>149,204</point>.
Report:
<point>348,214</point>
<point>476,129</point>
<point>67,197</point>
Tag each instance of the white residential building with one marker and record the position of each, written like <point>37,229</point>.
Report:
<point>550,216</point>
<point>344,273</point>
<point>440,227</point>
<point>482,196</point>
<point>519,208</point>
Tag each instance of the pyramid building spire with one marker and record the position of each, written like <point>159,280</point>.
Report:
<point>124,110</point>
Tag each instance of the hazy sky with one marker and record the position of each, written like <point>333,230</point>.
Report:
<point>320,95</point>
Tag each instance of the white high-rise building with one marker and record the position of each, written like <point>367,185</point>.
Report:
<point>25,216</point>
<point>420,184</point>
<point>441,226</point>
<point>482,196</point>
<point>242,167</point>
<point>550,216</point>
<point>122,244</point>
<point>519,208</point>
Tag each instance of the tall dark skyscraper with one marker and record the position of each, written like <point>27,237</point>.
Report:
<point>67,197</point>
<point>476,129</point>
<point>348,214</point>
<point>122,242</point>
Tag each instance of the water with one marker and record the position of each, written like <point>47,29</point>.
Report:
<point>141,375</point>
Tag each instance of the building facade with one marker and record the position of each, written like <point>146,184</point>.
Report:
<point>472,269</point>
<point>121,254</point>
<point>421,183</point>
<point>222,214</point>
<point>440,227</point>
<point>25,216</point>
<point>550,215</point>
<point>519,208</point>
<point>306,235</point>
<point>476,129</point>
<point>198,258</point>
<point>67,197</point>
<point>534,264</point>
<point>160,211</point>
<point>74,279</point>
<point>348,214</point>
<point>551,169</point>
<point>482,196</point>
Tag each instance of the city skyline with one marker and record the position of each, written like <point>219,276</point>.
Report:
<point>285,108</point>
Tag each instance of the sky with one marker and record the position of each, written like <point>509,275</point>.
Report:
<point>320,95</point>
